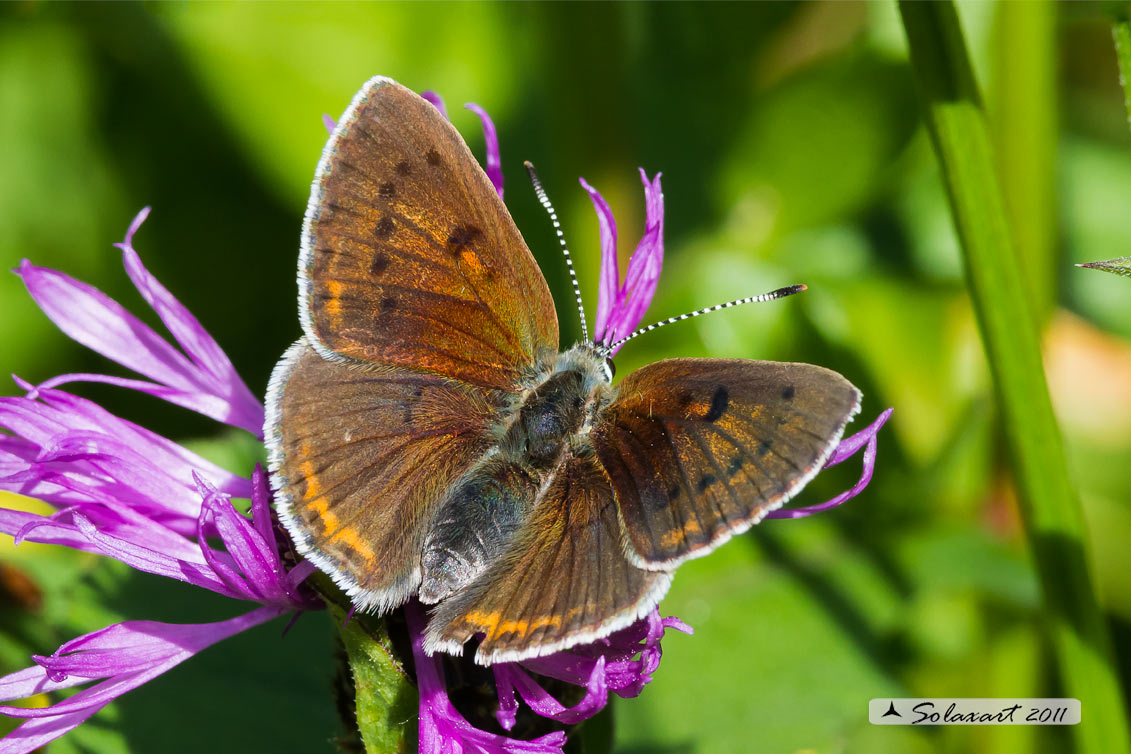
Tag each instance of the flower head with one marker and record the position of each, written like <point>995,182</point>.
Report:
<point>127,493</point>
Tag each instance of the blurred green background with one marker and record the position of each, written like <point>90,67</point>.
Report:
<point>792,150</point>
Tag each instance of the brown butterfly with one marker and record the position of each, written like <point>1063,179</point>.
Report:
<point>427,437</point>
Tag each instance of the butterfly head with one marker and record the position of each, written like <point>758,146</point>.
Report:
<point>589,358</point>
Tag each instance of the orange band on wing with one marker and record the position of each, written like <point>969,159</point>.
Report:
<point>333,305</point>
<point>349,535</point>
<point>328,519</point>
<point>489,624</point>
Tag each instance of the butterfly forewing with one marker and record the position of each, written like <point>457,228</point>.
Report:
<point>361,456</point>
<point>564,581</point>
<point>409,256</point>
<point>700,449</point>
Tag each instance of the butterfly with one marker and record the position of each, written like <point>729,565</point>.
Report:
<point>427,437</point>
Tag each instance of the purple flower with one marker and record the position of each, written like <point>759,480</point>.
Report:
<point>622,663</point>
<point>122,491</point>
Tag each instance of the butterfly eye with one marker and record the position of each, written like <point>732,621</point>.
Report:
<point>610,369</point>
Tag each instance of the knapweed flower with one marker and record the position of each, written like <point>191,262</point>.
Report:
<point>123,491</point>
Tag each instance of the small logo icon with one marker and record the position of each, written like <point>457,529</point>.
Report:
<point>891,711</point>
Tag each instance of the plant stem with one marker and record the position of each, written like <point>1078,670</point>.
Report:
<point>1049,505</point>
<point>384,697</point>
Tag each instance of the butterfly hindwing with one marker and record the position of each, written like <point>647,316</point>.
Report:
<point>700,449</point>
<point>409,257</point>
<point>361,457</point>
<point>564,581</point>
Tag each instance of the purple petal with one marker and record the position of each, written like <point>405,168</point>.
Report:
<point>846,448</point>
<point>201,348</point>
<point>643,274</point>
<point>538,699</point>
<point>608,294</point>
<point>34,734</point>
<point>443,729</point>
<point>507,713</point>
<point>261,507</point>
<point>32,681</point>
<point>127,655</point>
<point>176,460</point>
<point>194,400</point>
<point>329,123</point>
<point>151,560</point>
<point>204,381</point>
<point>60,421</point>
<point>258,570</point>
<point>627,660</point>
<point>92,318</point>
<point>437,102</point>
<point>115,459</point>
<point>13,523</point>
<point>494,166</point>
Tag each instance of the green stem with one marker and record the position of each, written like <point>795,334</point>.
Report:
<point>1121,30</point>
<point>1049,505</point>
<point>385,699</point>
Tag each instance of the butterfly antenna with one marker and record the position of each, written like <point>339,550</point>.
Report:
<point>779,293</point>
<point>545,200</point>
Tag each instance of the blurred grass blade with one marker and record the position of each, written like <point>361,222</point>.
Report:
<point>1121,30</point>
<point>1049,504</point>
<point>1024,121</point>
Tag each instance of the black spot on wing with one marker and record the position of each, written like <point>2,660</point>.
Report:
<point>433,158</point>
<point>384,228</point>
<point>379,264</point>
<point>388,303</point>
<point>788,393</point>
<point>719,402</point>
<point>387,190</point>
<point>706,481</point>
<point>461,236</point>
<point>403,168</point>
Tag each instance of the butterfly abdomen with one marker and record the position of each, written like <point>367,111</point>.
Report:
<point>480,515</point>
<point>473,526</point>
